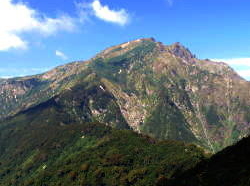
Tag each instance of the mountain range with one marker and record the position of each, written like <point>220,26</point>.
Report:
<point>133,111</point>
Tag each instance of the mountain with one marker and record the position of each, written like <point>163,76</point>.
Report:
<point>229,167</point>
<point>159,90</point>
<point>43,146</point>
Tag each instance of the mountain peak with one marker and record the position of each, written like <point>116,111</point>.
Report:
<point>181,51</point>
<point>123,48</point>
<point>151,39</point>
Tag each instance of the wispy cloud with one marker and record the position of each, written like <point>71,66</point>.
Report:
<point>61,55</point>
<point>103,12</point>
<point>235,61</point>
<point>18,18</point>
<point>170,2</point>
<point>5,77</point>
<point>244,73</point>
<point>241,65</point>
<point>19,72</point>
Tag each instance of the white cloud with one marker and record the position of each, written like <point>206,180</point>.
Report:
<point>244,73</point>
<point>61,55</point>
<point>235,61</point>
<point>84,11</point>
<point>103,12</point>
<point>241,65</point>
<point>18,18</point>
<point>10,40</point>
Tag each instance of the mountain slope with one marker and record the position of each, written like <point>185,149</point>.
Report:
<point>18,94</point>
<point>44,146</point>
<point>229,167</point>
<point>162,91</point>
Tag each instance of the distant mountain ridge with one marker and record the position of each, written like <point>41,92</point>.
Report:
<point>160,90</point>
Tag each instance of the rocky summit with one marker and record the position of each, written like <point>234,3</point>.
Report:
<point>160,90</point>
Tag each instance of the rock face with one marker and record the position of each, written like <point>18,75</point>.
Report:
<point>163,91</point>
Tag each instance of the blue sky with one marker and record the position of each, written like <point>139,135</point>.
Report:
<point>36,36</point>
